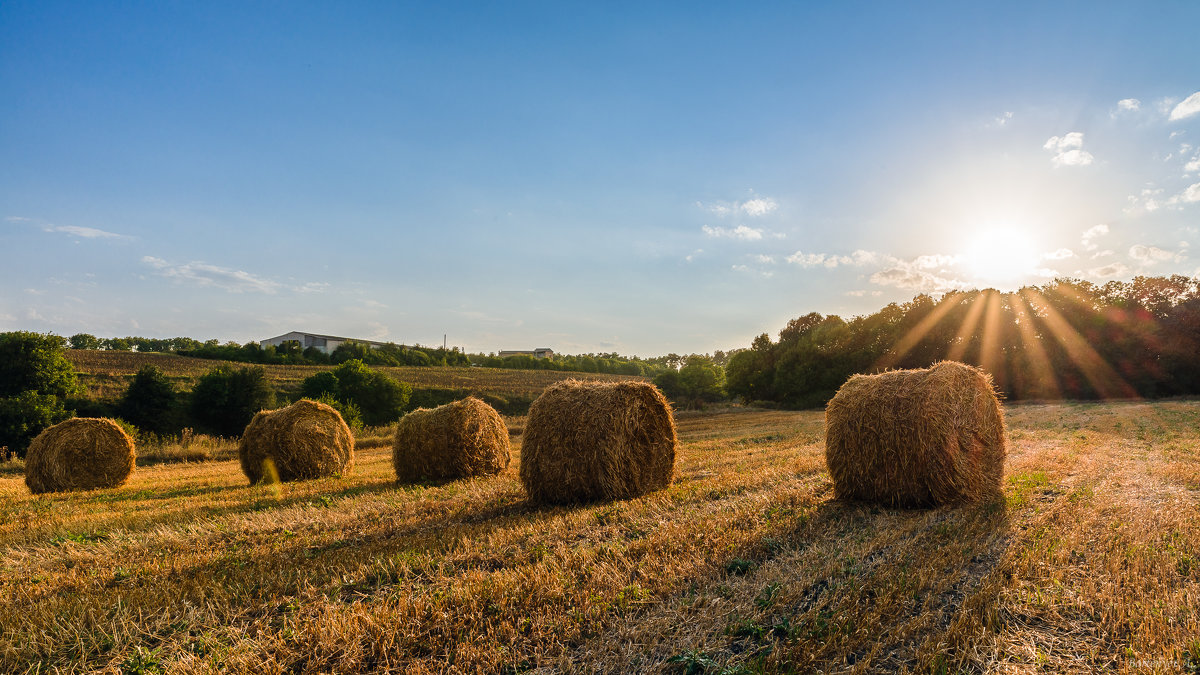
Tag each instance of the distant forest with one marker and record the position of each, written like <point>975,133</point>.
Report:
<point>1066,339</point>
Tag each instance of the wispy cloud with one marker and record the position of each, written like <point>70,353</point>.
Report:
<point>1108,271</point>
<point>204,274</point>
<point>83,232</point>
<point>754,208</point>
<point>1004,119</point>
<point>746,269</point>
<point>1149,255</point>
<point>1059,254</point>
<point>1068,150</point>
<point>1129,104</point>
<point>742,232</point>
<point>1186,108</point>
<point>858,258</point>
<point>1091,235</point>
<point>1190,195</point>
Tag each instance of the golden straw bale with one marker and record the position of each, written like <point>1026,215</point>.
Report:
<point>82,453</point>
<point>305,440</point>
<point>587,441</point>
<point>916,437</point>
<point>457,440</point>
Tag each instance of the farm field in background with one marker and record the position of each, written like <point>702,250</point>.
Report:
<point>106,374</point>
<point>745,564</point>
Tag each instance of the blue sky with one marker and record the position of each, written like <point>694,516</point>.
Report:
<point>588,177</point>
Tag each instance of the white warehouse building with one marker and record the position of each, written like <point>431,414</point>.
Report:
<point>326,343</point>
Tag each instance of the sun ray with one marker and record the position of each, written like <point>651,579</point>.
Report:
<point>1102,376</point>
<point>912,337</point>
<point>991,358</point>
<point>1046,385</point>
<point>962,341</point>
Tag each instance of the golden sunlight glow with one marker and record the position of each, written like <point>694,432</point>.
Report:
<point>1001,256</point>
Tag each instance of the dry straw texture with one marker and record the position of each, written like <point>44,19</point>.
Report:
<point>587,441</point>
<point>916,437</point>
<point>82,453</point>
<point>457,440</point>
<point>304,440</point>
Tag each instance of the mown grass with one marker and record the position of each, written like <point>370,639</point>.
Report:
<point>745,564</point>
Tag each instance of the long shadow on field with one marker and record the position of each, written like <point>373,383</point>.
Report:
<point>919,576</point>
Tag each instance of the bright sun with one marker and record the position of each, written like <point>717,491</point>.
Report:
<point>1001,255</point>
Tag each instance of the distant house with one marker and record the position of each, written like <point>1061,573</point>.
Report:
<point>326,343</point>
<point>539,353</point>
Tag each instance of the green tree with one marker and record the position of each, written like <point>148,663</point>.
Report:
<point>35,377</point>
<point>380,398</point>
<point>149,401</point>
<point>35,362</point>
<point>24,416</point>
<point>224,400</point>
<point>84,341</point>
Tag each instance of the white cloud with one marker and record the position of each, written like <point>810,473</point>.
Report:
<point>740,232</point>
<point>907,276</point>
<point>85,232</point>
<point>764,259</point>
<point>1004,119</point>
<point>1193,165</point>
<point>750,270</point>
<point>1150,255</point>
<point>1130,104</point>
<point>1190,195</point>
<point>203,274</point>
<point>857,258</point>
<point>1091,235</point>
<point>759,206</point>
<point>807,259</point>
<point>1114,270</point>
<point>930,262</point>
<point>1069,150</point>
<point>1186,108</point>
<point>1059,254</point>
<point>1103,254</point>
<point>694,254</point>
<point>755,208</point>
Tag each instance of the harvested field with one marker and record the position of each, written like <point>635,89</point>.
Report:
<point>744,564</point>
<point>105,374</point>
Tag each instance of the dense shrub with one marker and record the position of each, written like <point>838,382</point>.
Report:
<point>380,398</point>
<point>225,400</point>
<point>35,377</point>
<point>24,416</point>
<point>149,402</point>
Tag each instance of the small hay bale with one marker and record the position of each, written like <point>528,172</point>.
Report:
<point>916,437</point>
<point>588,441</point>
<point>305,440</point>
<point>457,440</point>
<point>82,453</point>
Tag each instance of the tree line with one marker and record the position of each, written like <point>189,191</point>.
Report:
<point>39,388</point>
<point>289,352</point>
<point>1065,339</point>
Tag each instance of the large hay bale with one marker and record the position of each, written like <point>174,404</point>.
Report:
<point>916,437</point>
<point>457,440</point>
<point>587,441</point>
<point>305,440</point>
<point>82,453</point>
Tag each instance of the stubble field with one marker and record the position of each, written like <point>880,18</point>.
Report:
<point>745,564</point>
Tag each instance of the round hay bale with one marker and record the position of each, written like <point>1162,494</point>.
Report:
<point>588,441</point>
<point>457,440</point>
<point>82,453</point>
<point>305,440</point>
<point>916,437</point>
